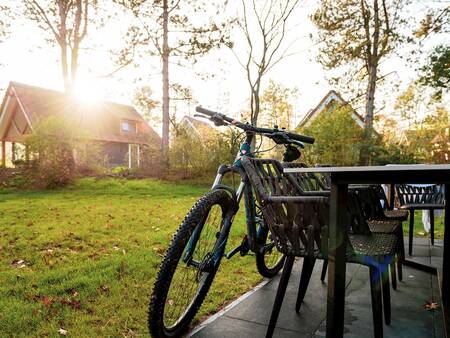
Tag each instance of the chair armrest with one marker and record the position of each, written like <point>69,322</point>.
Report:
<point>316,193</point>
<point>296,199</point>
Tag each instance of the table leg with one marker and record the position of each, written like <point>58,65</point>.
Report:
<point>336,260</point>
<point>446,263</point>
<point>391,197</point>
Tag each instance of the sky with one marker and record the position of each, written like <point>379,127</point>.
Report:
<point>27,58</point>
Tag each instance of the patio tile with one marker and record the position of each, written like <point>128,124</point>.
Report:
<point>236,328</point>
<point>249,318</point>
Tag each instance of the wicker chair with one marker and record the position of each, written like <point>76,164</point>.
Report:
<point>298,224</point>
<point>382,221</point>
<point>393,214</point>
<point>378,219</point>
<point>414,198</point>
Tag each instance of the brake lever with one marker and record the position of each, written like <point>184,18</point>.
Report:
<point>297,143</point>
<point>201,116</point>
<point>218,120</point>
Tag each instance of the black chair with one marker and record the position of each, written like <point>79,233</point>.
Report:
<point>298,223</point>
<point>384,221</point>
<point>392,214</point>
<point>414,198</point>
<point>370,196</point>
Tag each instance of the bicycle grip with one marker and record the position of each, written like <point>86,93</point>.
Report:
<point>301,138</point>
<point>205,111</point>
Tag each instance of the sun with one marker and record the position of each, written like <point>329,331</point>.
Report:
<point>88,91</point>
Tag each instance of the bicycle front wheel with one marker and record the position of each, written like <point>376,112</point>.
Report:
<point>189,266</point>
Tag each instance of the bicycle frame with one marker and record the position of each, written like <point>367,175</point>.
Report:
<point>253,238</point>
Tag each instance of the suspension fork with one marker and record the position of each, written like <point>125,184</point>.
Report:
<point>227,220</point>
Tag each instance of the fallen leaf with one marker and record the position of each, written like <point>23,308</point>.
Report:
<point>46,301</point>
<point>430,306</point>
<point>104,288</point>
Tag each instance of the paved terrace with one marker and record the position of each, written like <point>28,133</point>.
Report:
<point>248,316</point>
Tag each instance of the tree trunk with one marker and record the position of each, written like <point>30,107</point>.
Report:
<point>370,97</point>
<point>165,77</point>
<point>368,121</point>
<point>65,68</point>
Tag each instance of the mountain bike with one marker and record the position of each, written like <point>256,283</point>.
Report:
<point>196,250</point>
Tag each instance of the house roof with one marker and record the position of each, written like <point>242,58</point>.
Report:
<point>332,95</point>
<point>100,121</point>
<point>196,125</point>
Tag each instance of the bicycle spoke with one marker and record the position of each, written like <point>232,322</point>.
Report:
<point>188,278</point>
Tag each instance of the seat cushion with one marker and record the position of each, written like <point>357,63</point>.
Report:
<point>384,226</point>
<point>398,215</point>
<point>372,246</point>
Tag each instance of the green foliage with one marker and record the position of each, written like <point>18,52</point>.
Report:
<point>338,138</point>
<point>276,105</point>
<point>202,154</point>
<point>342,28</point>
<point>426,139</point>
<point>52,143</point>
<point>4,21</point>
<point>59,150</point>
<point>143,100</point>
<point>436,73</point>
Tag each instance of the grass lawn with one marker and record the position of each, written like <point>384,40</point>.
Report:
<point>84,258</point>
<point>418,226</point>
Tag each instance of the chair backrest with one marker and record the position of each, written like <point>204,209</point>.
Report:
<point>410,194</point>
<point>322,182</point>
<point>371,202</point>
<point>308,181</point>
<point>381,195</point>
<point>299,228</point>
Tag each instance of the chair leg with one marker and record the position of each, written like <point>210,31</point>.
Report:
<point>401,258</point>
<point>386,296</point>
<point>307,269</point>
<point>284,279</point>
<point>411,230</point>
<point>324,270</point>
<point>393,274</point>
<point>432,226</point>
<point>377,308</point>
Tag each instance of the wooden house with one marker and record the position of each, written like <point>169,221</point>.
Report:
<point>119,129</point>
<point>331,101</point>
<point>195,127</point>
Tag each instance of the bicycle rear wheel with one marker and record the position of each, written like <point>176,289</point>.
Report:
<point>189,266</point>
<point>269,261</point>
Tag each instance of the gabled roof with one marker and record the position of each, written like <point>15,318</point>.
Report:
<point>324,104</point>
<point>100,121</point>
<point>196,125</point>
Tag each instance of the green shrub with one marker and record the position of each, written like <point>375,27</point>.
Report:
<point>59,151</point>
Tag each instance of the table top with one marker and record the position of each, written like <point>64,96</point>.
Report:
<point>392,173</point>
<point>380,168</point>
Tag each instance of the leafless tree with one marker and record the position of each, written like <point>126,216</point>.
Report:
<point>68,22</point>
<point>264,25</point>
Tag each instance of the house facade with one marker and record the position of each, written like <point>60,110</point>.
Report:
<point>119,129</point>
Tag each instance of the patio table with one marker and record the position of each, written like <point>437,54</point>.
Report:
<point>341,177</point>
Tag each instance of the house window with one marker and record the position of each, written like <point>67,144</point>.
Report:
<point>128,126</point>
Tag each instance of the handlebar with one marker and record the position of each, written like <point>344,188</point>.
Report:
<point>218,119</point>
